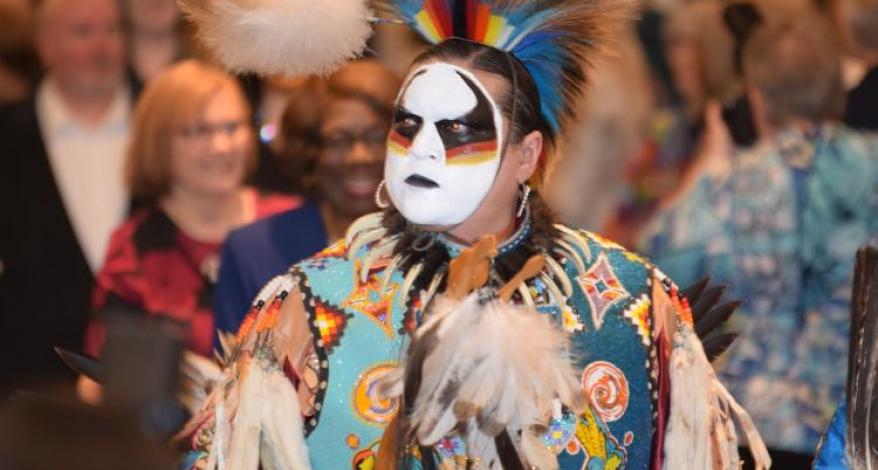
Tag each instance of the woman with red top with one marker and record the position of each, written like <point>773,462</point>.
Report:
<point>192,147</point>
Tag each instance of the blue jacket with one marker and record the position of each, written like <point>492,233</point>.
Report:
<point>254,254</point>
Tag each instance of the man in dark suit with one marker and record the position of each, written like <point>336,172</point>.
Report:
<point>61,188</point>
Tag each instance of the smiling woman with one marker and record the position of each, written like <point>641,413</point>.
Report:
<point>191,148</point>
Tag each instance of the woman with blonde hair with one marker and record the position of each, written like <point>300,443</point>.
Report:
<point>192,147</point>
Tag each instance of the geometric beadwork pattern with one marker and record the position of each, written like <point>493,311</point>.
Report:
<point>638,314</point>
<point>366,298</point>
<point>336,250</point>
<point>602,289</point>
<point>321,259</point>
<point>330,324</point>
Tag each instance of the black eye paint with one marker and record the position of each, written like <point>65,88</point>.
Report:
<point>406,124</point>
<point>478,124</point>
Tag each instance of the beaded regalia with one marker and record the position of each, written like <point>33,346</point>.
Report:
<point>402,347</point>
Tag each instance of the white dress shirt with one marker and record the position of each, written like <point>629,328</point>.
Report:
<point>87,162</point>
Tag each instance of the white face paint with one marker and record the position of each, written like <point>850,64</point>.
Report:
<point>444,148</point>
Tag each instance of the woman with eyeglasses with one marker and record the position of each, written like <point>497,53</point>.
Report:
<point>332,144</point>
<point>192,147</point>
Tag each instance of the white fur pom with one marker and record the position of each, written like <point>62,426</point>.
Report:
<point>288,37</point>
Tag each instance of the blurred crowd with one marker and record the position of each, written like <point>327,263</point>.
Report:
<point>723,138</point>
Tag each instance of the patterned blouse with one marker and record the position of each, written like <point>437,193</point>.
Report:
<point>782,229</point>
<point>157,269</point>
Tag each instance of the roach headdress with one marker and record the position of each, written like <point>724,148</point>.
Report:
<point>554,39</point>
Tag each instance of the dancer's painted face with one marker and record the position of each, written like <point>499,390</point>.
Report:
<point>444,146</point>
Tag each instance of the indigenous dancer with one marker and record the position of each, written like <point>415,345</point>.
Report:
<point>464,327</point>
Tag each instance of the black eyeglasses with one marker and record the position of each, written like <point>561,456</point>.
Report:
<point>342,142</point>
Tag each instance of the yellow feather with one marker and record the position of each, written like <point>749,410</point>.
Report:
<point>423,19</point>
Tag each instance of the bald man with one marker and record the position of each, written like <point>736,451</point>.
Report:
<point>62,190</point>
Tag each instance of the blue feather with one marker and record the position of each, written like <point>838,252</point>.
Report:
<point>544,57</point>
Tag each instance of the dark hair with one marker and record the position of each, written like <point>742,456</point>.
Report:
<point>298,139</point>
<point>526,101</point>
<point>300,142</point>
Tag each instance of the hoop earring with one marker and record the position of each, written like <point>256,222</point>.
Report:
<point>382,204</point>
<point>525,198</point>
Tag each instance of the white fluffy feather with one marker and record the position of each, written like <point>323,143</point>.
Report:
<point>258,420</point>
<point>701,431</point>
<point>289,37</point>
<point>283,438</point>
<point>198,377</point>
<point>496,365</point>
<point>245,415</point>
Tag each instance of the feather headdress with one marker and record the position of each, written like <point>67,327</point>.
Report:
<point>554,39</point>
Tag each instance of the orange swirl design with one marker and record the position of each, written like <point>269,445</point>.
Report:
<point>606,388</point>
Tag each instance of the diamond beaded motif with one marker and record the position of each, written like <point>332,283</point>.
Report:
<point>602,289</point>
